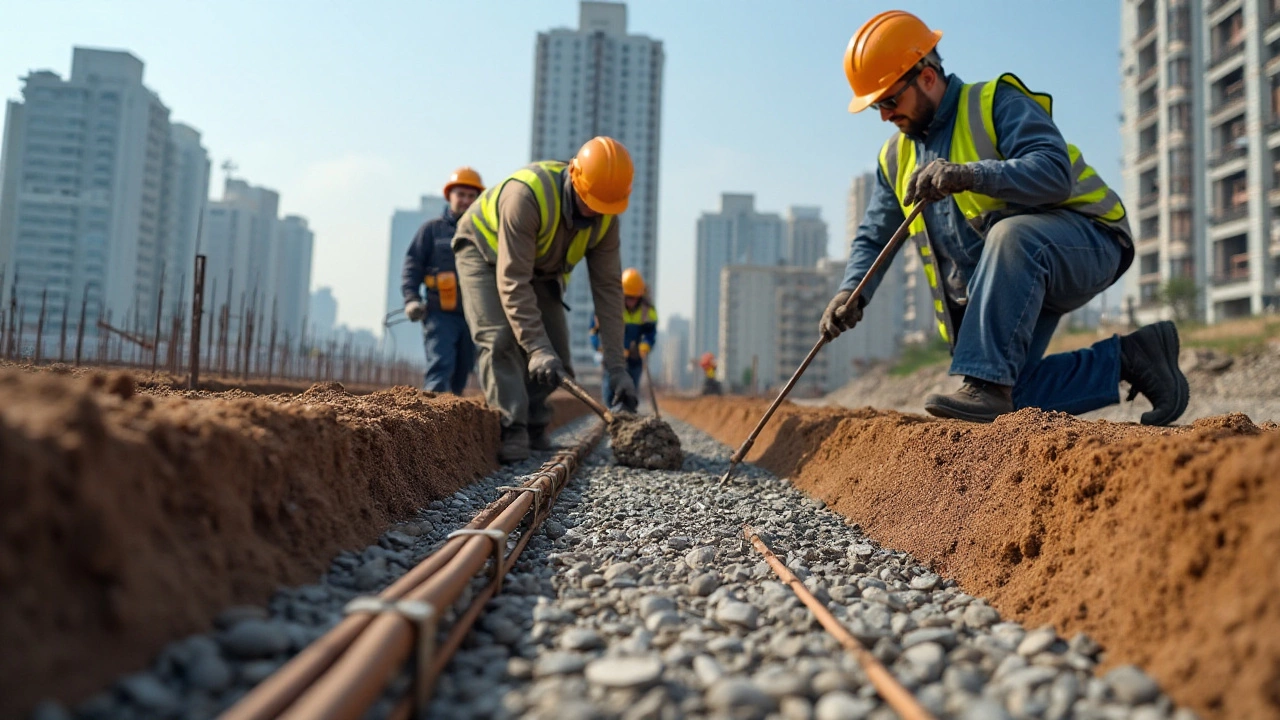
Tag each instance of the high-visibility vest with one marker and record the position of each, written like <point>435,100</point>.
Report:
<point>643,313</point>
<point>546,180</point>
<point>974,138</point>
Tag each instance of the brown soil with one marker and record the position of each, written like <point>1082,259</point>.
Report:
<point>1161,543</point>
<point>130,516</point>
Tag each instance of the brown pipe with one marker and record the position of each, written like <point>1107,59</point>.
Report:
<point>907,707</point>
<point>283,688</point>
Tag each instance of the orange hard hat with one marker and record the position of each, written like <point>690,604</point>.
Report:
<point>632,282</point>
<point>708,361</point>
<point>463,176</point>
<point>601,173</point>
<point>882,51</point>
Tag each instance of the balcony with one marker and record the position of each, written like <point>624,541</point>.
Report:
<point>1180,247</point>
<point>1148,199</point>
<point>1225,53</point>
<point>1231,104</point>
<point>1221,216</point>
<point>1148,74</point>
<point>1146,116</point>
<point>1147,153</point>
<point>1273,195</point>
<point>1237,270</point>
<point>1146,32</point>
<point>1227,154</point>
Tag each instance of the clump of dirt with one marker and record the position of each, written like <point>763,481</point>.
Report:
<point>644,441</point>
<point>131,515</point>
<point>1159,542</point>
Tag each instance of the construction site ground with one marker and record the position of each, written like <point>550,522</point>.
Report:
<point>163,551</point>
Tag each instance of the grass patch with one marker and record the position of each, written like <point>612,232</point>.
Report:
<point>917,356</point>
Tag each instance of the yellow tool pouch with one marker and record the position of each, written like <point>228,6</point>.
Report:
<point>447,286</point>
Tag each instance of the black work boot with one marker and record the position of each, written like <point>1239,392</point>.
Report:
<point>1149,363</point>
<point>538,438</point>
<point>975,401</point>
<point>515,444</point>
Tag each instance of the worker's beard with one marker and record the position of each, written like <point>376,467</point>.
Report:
<point>927,109</point>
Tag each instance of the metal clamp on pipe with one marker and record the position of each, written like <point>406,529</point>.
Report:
<point>423,615</point>
<point>499,539</point>
<point>537,495</point>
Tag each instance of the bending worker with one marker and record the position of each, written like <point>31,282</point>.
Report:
<point>640,323</point>
<point>429,261</point>
<point>515,249</point>
<point>1017,232</point>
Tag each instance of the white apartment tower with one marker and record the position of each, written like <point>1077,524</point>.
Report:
<point>600,80</point>
<point>1201,133</point>
<point>405,338</point>
<point>292,263</point>
<point>96,188</point>
<point>805,242</point>
<point>856,205</point>
<point>239,239</point>
<point>737,235</point>
<point>186,191</point>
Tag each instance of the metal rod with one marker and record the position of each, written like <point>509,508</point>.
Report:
<point>885,255</point>
<point>197,317</point>
<point>897,696</point>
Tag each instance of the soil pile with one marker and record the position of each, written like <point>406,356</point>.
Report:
<point>645,442</point>
<point>1161,543</point>
<point>130,516</point>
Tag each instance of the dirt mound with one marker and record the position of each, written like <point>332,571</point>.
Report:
<point>131,515</point>
<point>645,442</point>
<point>1161,543</point>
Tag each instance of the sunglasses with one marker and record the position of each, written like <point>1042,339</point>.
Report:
<point>891,102</point>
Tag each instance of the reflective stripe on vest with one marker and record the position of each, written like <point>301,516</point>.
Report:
<point>973,138</point>
<point>640,315</point>
<point>546,181</point>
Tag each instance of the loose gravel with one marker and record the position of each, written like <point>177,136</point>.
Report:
<point>640,598</point>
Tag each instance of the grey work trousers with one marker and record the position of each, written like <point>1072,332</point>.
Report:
<point>503,364</point>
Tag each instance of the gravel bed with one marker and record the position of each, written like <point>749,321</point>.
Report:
<point>639,598</point>
<point>643,600</point>
<point>200,676</point>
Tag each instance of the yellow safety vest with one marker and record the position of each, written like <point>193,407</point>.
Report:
<point>546,180</point>
<point>643,313</point>
<point>972,139</point>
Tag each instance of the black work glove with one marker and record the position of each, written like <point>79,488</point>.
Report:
<point>937,180</point>
<point>624,391</point>
<point>836,319</point>
<point>545,368</point>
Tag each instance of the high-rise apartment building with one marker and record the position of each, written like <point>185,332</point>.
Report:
<point>805,241</point>
<point>601,80</point>
<point>1201,135</point>
<point>737,235</point>
<point>292,264</point>
<point>97,192</point>
<point>856,205</point>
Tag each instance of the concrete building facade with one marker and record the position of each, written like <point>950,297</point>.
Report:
<point>736,235</point>
<point>405,338</point>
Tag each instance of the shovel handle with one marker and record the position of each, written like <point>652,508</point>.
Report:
<point>585,397</point>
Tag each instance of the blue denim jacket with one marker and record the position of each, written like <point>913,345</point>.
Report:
<point>1036,172</point>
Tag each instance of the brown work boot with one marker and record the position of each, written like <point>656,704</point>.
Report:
<point>975,401</point>
<point>515,445</point>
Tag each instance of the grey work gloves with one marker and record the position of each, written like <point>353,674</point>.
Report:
<point>937,180</point>
<point>415,310</point>
<point>624,391</point>
<point>545,368</point>
<point>836,319</point>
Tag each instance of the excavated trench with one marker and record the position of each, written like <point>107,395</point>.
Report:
<point>1159,542</point>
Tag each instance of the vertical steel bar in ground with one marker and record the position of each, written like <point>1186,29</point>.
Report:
<point>197,318</point>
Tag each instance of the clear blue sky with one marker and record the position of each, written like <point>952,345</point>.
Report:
<point>351,110</point>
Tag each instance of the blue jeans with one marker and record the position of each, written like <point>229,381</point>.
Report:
<point>1033,270</point>
<point>635,369</point>
<point>450,352</point>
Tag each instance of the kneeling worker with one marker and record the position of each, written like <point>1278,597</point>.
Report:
<point>514,251</point>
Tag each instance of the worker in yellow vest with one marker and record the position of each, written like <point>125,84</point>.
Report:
<point>1017,230</point>
<point>640,333</point>
<point>514,250</point>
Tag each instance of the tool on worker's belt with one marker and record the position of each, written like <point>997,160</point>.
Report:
<point>642,442</point>
<point>889,249</point>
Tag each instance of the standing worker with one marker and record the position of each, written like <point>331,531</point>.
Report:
<point>640,322</point>
<point>515,249</point>
<point>710,385</point>
<point>450,352</point>
<point>1017,232</point>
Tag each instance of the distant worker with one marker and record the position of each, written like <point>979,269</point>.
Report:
<point>710,385</point>
<point>1018,231</point>
<point>450,352</point>
<point>640,321</point>
<point>515,249</point>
